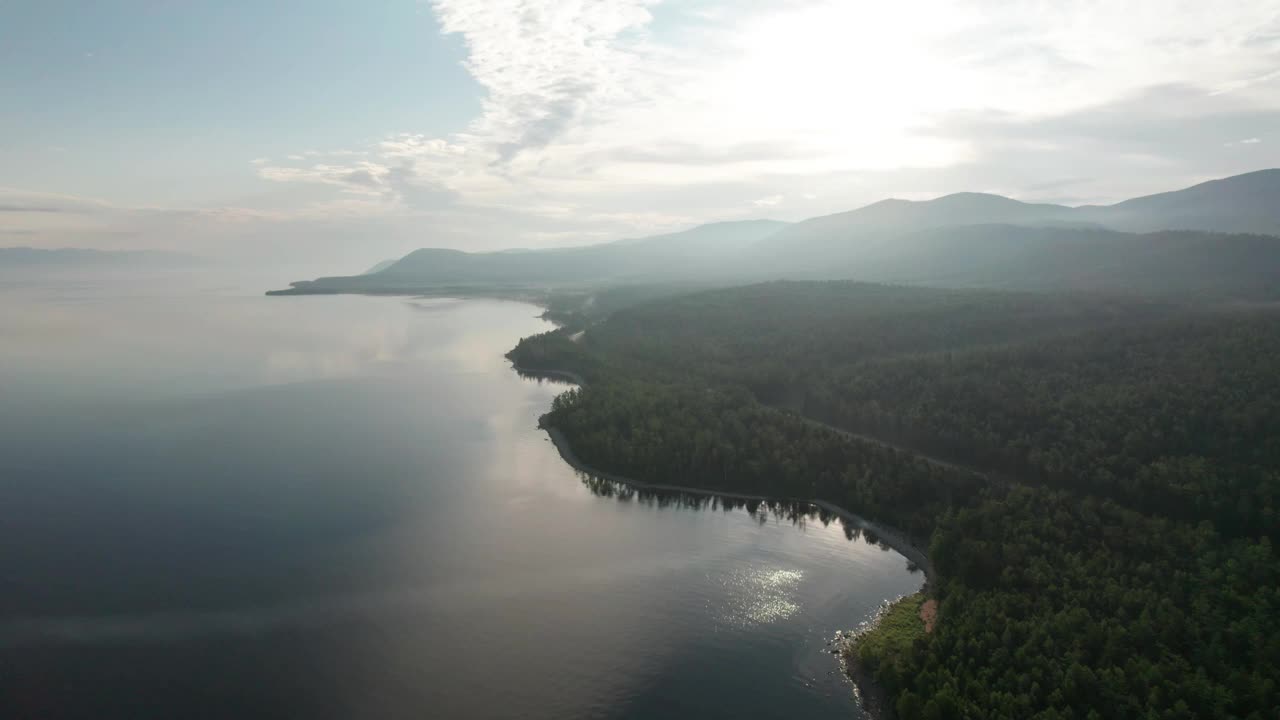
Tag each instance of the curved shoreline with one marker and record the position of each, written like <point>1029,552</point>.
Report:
<point>871,697</point>
<point>890,537</point>
<point>895,539</point>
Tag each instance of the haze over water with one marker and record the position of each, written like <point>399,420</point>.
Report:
<point>217,504</point>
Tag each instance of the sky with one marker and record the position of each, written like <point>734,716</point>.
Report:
<point>347,132</point>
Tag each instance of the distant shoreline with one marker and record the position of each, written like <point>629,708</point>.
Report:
<point>303,288</point>
<point>871,696</point>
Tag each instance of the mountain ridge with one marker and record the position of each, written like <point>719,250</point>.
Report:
<point>877,241</point>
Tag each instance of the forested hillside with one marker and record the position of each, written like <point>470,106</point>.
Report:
<point>1111,557</point>
<point>1071,259</point>
<point>1240,204</point>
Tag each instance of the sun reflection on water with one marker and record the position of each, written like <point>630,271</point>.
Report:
<point>758,596</point>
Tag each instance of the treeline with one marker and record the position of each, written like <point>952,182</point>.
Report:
<point>1116,557</point>
<point>1164,408</point>
<point>724,440</point>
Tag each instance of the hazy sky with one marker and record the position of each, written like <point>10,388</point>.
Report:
<point>352,131</point>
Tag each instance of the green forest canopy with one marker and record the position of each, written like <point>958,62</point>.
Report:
<point>1102,525</point>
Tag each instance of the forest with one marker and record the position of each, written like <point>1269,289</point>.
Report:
<point>1095,477</point>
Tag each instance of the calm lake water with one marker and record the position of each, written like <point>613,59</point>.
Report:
<point>218,504</point>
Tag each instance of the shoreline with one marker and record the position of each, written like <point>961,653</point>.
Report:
<point>890,537</point>
<point>897,541</point>
<point>562,376</point>
<point>875,701</point>
<point>871,697</point>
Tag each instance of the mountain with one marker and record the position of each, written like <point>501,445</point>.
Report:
<point>814,244</point>
<point>81,258</point>
<point>1248,203</point>
<point>906,215</point>
<point>694,252</point>
<point>380,266</point>
<point>1057,258</point>
<point>625,259</point>
<point>1179,240</point>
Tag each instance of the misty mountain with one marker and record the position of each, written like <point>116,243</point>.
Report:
<point>814,243</point>
<point>1244,203</point>
<point>82,258</point>
<point>1039,258</point>
<point>379,267</point>
<point>639,258</point>
<point>698,251</point>
<point>1248,203</point>
<point>1178,241</point>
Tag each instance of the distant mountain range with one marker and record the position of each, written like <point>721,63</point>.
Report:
<point>1217,237</point>
<point>82,258</point>
<point>657,258</point>
<point>1242,204</point>
<point>1248,203</point>
<point>1066,259</point>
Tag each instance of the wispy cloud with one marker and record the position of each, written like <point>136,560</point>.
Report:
<point>603,106</point>
<point>549,66</point>
<point>19,201</point>
<point>610,118</point>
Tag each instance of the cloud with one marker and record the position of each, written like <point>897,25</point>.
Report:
<point>1154,139</point>
<point>400,177</point>
<point>675,154</point>
<point>59,220</point>
<point>16,200</point>
<point>28,208</point>
<point>546,65</point>
<point>616,118</point>
<point>361,177</point>
<point>608,106</point>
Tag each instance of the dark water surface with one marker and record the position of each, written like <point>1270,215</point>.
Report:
<point>216,504</point>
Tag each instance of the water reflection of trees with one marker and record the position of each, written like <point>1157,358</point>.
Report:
<point>550,377</point>
<point>798,513</point>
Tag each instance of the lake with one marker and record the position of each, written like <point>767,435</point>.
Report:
<point>218,504</point>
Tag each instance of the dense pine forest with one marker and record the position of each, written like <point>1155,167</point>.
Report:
<point>1095,478</point>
